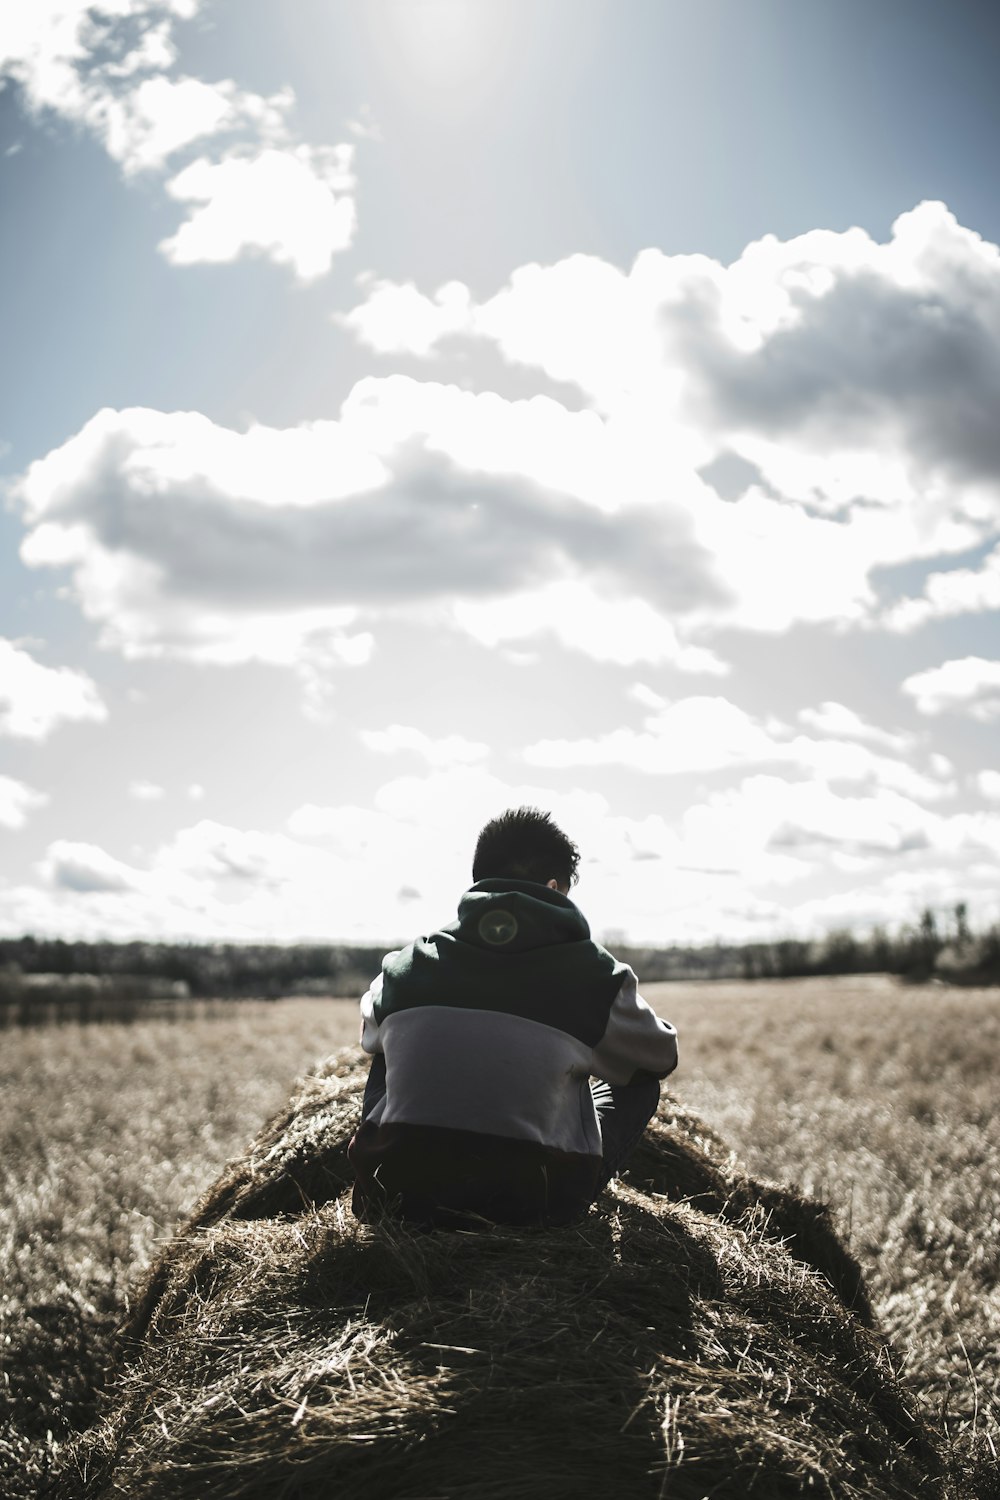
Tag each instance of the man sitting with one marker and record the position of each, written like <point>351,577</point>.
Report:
<point>484,1037</point>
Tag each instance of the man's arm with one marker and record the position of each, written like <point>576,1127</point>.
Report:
<point>371,1041</point>
<point>635,1039</point>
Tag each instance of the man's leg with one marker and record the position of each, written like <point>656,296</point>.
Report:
<point>623,1112</point>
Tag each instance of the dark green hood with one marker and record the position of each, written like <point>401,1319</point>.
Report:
<point>513,916</point>
<point>517,947</point>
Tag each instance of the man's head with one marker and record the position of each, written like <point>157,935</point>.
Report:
<point>525,844</point>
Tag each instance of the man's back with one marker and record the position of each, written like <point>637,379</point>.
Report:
<point>490,1030</point>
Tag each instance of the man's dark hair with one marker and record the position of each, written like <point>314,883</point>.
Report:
<point>525,844</point>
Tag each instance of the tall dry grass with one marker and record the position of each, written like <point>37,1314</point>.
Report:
<point>108,1134</point>
<point>876,1097</point>
<point>881,1099</point>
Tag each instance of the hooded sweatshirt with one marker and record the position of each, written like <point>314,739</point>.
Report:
<point>491,1029</point>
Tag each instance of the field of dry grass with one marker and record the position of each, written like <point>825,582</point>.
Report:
<point>878,1098</point>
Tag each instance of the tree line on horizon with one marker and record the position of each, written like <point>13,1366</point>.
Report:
<point>45,971</point>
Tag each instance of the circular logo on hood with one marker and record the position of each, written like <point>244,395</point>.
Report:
<point>497,927</point>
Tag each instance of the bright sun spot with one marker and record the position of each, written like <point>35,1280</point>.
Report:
<point>453,50</point>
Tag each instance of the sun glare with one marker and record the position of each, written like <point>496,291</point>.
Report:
<point>451,51</point>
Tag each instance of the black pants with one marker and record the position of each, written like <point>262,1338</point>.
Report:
<point>623,1112</point>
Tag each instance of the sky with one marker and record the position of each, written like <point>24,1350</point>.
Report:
<point>417,408</point>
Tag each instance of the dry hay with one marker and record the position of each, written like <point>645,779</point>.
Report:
<point>668,1345</point>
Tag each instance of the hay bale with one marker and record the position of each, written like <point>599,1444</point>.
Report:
<point>668,1345</point>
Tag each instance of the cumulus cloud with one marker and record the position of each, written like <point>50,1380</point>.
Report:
<point>878,854</point>
<point>294,207</point>
<point>745,857</point>
<point>514,521</point>
<point>144,127</point>
<point>292,204</point>
<point>837,720</point>
<point>35,699</point>
<point>397,319</point>
<point>298,531</point>
<point>768,831</point>
<point>50,47</point>
<point>17,802</point>
<point>85,869</point>
<point>828,337</point>
<point>445,809</point>
<point>80,61</point>
<point>858,381</point>
<point>694,734</point>
<point>153,51</point>
<point>98,507</point>
<point>621,630</point>
<point>968,685</point>
<point>704,734</point>
<point>210,878</point>
<point>988,785</point>
<point>957,591</point>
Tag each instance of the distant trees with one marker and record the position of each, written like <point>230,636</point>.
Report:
<point>931,947</point>
<point>262,969</point>
<point>51,971</point>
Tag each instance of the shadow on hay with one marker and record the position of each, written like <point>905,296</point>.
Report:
<point>668,1345</point>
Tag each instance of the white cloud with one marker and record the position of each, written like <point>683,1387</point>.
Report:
<point>266,196</point>
<point>841,761</point>
<point>837,719</point>
<point>154,52</point>
<point>620,630</point>
<point>537,439</point>
<point>519,520</point>
<point>693,734</point>
<point>145,126</point>
<point>988,785</point>
<point>443,811</point>
<point>582,321</point>
<point>299,530</point>
<point>35,699</point>
<point>830,351</point>
<point>97,505</point>
<point>47,46</point>
<point>397,319</point>
<point>858,380</point>
<point>214,851</point>
<point>451,750</point>
<point>209,879</point>
<point>17,802</point>
<point>705,734</point>
<point>403,506</point>
<point>85,869</point>
<point>969,685</point>
<point>806,815</point>
<point>641,693</point>
<point>741,862</point>
<point>293,206</point>
<point>146,791</point>
<point>876,855</point>
<point>958,591</point>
